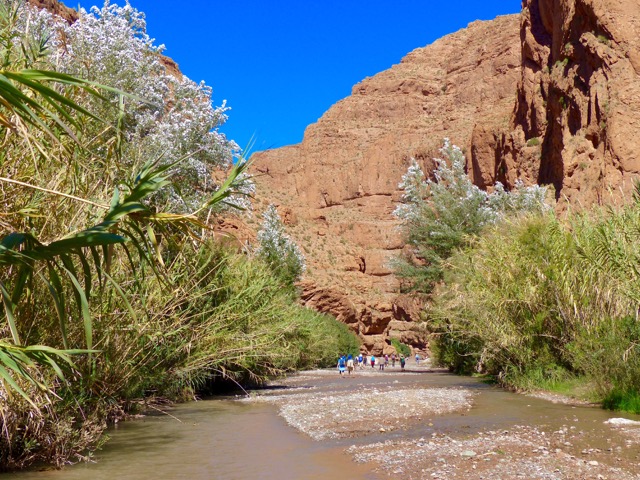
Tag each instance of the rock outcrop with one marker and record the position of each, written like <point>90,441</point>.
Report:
<point>340,183</point>
<point>577,105</point>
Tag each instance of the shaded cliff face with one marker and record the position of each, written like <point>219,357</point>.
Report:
<point>338,188</point>
<point>578,102</point>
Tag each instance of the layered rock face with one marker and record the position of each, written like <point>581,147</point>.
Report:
<point>578,102</point>
<point>338,188</point>
<point>550,97</point>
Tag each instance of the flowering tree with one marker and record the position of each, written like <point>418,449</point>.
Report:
<point>440,215</point>
<point>277,248</point>
<point>167,115</point>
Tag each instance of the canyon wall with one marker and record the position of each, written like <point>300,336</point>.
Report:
<point>338,188</point>
<point>551,96</point>
<point>577,104</point>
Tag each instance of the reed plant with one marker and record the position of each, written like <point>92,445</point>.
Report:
<point>537,300</point>
<point>113,288</point>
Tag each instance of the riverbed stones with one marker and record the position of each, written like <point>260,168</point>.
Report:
<point>400,427</point>
<point>348,414</point>
<point>521,452</point>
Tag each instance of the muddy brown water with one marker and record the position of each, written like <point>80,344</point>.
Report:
<point>222,438</point>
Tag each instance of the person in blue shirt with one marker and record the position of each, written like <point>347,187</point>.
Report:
<point>342,364</point>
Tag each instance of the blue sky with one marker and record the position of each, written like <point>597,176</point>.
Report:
<point>280,64</point>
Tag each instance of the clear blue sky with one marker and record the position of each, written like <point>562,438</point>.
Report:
<point>280,64</point>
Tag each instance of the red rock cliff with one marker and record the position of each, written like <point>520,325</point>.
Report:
<point>338,188</point>
<point>577,108</point>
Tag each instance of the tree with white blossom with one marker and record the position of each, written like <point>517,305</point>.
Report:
<point>277,249</point>
<point>167,115</point>
<point>441,214</point>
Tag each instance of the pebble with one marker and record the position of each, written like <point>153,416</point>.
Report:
<point>468,453</point>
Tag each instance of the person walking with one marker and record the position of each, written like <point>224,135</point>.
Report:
<point>417,359</point>
<point>393,360</point>
<point>373,361</point>
<point>350,364</point>
<point>342,364</point>
<point>402,362</point>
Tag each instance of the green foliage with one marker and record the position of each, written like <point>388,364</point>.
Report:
<point>277,249</point>
<point>624,400</point>
<point>445,214</point>
<point>538,301</point>
<point>246,325</point>
<point>549,377</point>
<point>401,348</point>
<point>563,103</point>
<point>533,142</point>
<point>127,220</point>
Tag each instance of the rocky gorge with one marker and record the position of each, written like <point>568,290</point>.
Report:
<point>547,97</point>
<point>521,111</point>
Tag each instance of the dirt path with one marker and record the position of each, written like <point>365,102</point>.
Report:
<point>425,424</point>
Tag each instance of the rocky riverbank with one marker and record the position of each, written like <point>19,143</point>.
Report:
<point>419,424</point>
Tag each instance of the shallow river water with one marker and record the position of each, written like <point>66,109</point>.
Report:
<point>223,438</point>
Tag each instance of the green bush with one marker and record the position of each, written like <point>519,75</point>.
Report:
<point>538,302</point>
<point>625,400</point>
<point>443,215</point>
<point>401,348</point>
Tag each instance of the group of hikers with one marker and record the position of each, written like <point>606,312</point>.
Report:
<point>348,363</point>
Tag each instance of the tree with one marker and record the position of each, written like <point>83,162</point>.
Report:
<point>277,249</point>
<point>443,214</point>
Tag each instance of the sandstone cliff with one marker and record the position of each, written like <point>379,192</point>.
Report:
<point>578,101</point>
<point>338,188</point>
<point>57,8</point>
<point>551,96</point>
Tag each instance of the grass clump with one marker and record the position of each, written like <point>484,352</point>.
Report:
<point>401,348</point>
<point>624,400</point>
<point>544,303</point>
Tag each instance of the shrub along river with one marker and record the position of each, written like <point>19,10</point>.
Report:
<point>420,423</point>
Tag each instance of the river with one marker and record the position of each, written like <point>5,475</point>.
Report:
<point>230,438</point>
